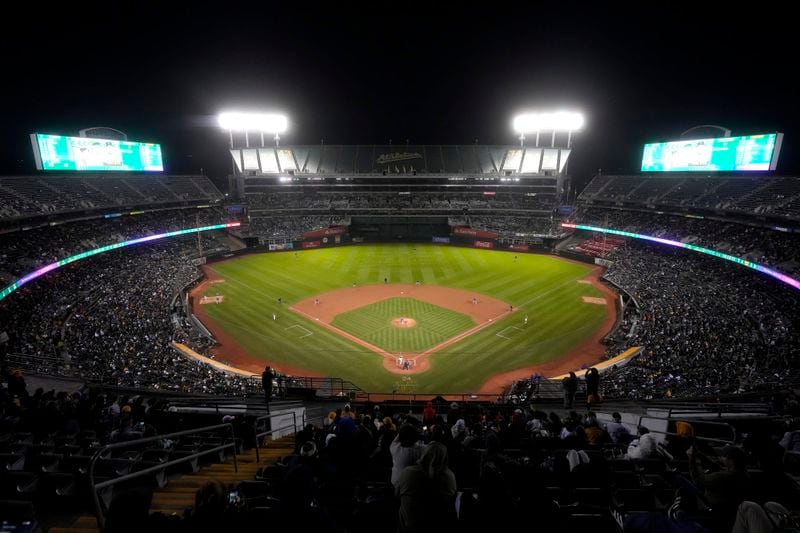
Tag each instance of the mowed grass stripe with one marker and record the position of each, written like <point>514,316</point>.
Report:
<point>545,287</point>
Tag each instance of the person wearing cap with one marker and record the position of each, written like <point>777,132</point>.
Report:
<point>724,490</point>
<point>454,414</point>
<point>298,489</point>
<point>348,412</point>
<point>682,440</point>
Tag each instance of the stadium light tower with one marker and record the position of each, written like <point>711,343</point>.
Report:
<point>247,122</point>
<point>544,122</point>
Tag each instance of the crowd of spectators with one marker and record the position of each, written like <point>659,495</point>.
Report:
<point>706,326</point>
<point>762,245</point>
<point>777,197</point>
<point>25,196</point>
<point>289,227</point>
<point>402,200</point>
<point>510,226</point>
<point>24,251</point>
<point>110,319</point>
<point>467,468</point>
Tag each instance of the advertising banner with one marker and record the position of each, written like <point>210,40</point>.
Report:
<point>443,240</point>
<point>519,247</point>
<point>464,230</point>
<point>484,244</point>
<point>333,230</point>
<point>310,244</point>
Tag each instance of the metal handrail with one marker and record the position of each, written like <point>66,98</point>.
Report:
<point>720,409</point>
<point>707,439</point>
<point>115,446</point>
<point>270,431</point>
<point>420,396</point>
<point>697,422</point>
<point>322,410</point>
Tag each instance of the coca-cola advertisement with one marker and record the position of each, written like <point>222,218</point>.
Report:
<point>484,244</point>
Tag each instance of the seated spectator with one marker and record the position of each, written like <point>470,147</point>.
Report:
<point>645,447</point>
<point>426,492</point>
<point>454,414</point>
<point>595,435</point>
<point>126,431</point>
<point>406,449</point>
<point>210,505</point>
<point>617,431</point>
<point>791,438</point>
<point>677,444</point>
<point>298,488</point>
<point>726,489</point>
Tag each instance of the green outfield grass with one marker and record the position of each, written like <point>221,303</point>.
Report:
<point>543,287</point>
<point>373,323</point>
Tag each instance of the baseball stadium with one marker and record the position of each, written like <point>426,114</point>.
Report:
<point>388,278</point>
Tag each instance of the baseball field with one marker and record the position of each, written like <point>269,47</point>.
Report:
<point>411,317</point>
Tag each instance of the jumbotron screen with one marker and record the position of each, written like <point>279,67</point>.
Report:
<point>56,152</point>
<point>749,153</point>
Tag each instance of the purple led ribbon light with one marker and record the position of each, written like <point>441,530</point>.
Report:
<point>749,264</point>
<point>45,269</point>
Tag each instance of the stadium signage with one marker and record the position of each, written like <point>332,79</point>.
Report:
<point>749,153</point>
<point>484,244</point>
<point>519,247</point>
<point>463,230</point>
<point>83,154</point>
<point>310,244</point>
<point>442,240</point>
<point>397,156</point>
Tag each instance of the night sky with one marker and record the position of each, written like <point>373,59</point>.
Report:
<point>401,71</point>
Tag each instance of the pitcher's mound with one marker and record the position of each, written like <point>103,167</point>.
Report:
<point>404,322</point>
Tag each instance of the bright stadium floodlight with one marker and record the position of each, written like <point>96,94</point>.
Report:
<point>247,122</point>
<point>260,122</point>
<point>266,123</point>
<point>553,122</point>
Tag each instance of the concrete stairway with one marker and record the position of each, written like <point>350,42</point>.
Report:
<point>179,493</point>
